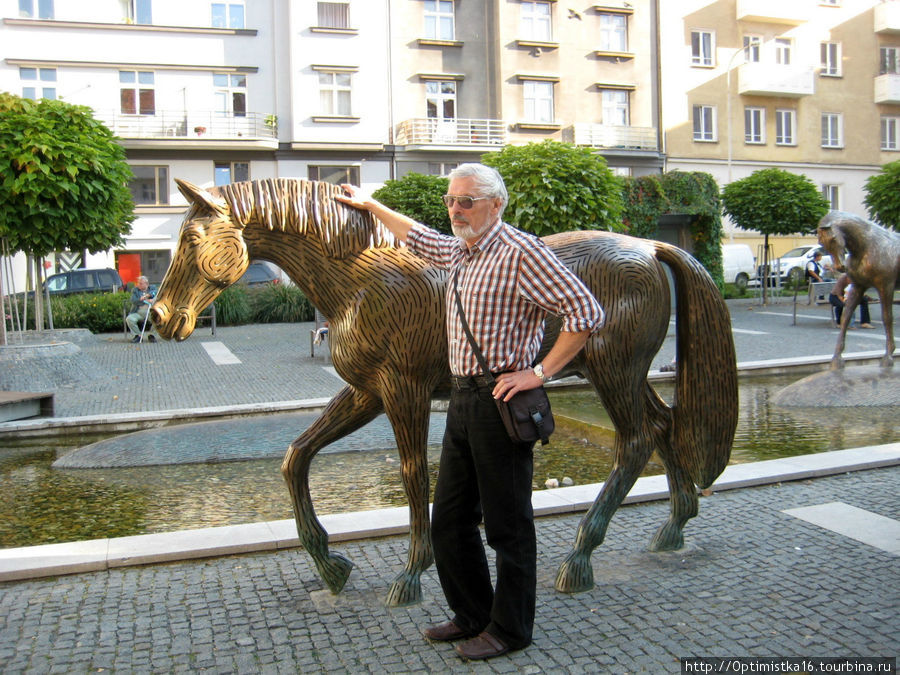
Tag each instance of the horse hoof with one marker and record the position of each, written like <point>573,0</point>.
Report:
<point>406,590</point>
<point>887,362</point>
<point>837,363</point>
<point>575,575</point>
<point>335,570</point>
<point>668,538</point>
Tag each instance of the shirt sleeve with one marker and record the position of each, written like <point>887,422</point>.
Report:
<point>548,283</point>
<point>431,245</point>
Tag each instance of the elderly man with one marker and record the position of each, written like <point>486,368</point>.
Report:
<point>141,298</point>
<point>508,281</point>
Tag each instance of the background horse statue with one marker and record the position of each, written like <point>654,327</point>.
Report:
<point>386,316</point>
<point>870,255</point>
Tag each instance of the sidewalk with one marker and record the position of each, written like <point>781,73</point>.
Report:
<point>757,575</point>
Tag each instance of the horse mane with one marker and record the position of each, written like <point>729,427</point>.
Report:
<point>307,208</point>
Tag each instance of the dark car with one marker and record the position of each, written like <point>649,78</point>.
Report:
<point>259,274</point>
<point>105,280</point>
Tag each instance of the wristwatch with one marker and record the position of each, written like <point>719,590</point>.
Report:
<point>539,371</point>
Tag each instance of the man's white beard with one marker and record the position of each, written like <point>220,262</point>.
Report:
<point>464,232</point>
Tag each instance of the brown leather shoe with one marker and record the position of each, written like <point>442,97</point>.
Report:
<point>482,646</point>
<point>445,632</point>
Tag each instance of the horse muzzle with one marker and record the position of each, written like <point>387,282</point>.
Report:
<point>176,325</point>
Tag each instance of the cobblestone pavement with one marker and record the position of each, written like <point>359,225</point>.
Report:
<point>751,581</point>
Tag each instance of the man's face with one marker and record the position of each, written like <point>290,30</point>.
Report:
<point>470,224</point>
<point>143,284</point>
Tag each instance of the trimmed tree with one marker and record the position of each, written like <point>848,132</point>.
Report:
<point>63,180</point>
<point>883,196</point>
<point>419,197</point>
<point>774,201</point>
<point>558,187</point>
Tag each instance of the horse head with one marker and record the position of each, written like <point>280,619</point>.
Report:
<point>832,239</point>
<point>211,255</point>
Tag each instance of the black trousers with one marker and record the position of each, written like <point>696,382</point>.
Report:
<point>838,305</point>
<point>485,475</point>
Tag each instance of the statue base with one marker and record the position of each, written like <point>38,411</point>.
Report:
<point>848,387</point>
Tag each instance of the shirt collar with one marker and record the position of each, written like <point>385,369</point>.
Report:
<point>486,240</point>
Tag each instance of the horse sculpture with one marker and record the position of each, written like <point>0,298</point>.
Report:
<point>870,255</point>
<point>386,316</point>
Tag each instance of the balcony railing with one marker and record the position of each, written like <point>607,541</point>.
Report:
<point>887,17</point>
<point>193,124</point>
<point>887,88</point>
<point>451,132</point>
<point>613,137</point>
<point>766,79</point>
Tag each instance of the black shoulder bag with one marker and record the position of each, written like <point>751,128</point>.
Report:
<point>527,415</point>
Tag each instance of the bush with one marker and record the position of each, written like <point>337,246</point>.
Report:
<point>419,197</point>
<point>280,303</point>
<point>233,307</point>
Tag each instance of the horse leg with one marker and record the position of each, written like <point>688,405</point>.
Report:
<point>633,446</point>
<point>407,407</point>
<point>887,318</point>
<point>345,413</point>
<point>837,361</point>
<point>683,501</point>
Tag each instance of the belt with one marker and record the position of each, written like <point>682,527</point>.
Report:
<point>472,382</point>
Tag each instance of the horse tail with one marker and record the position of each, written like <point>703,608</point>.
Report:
<point>705,408</point>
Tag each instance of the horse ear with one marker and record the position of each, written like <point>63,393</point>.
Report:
<point>200,197</point>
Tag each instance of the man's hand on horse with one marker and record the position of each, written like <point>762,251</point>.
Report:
<point>354,197</point>
<point>510,384</point>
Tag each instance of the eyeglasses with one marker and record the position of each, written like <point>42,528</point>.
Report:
<point>464,202</point>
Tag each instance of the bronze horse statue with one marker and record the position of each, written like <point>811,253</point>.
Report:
<point>386,313</point>
<point>870,255</point>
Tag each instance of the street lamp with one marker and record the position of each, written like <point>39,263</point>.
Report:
<point>728,103</point>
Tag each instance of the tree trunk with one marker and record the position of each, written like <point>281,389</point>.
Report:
<point>38,296</point>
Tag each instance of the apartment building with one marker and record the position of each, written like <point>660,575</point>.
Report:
<point>809,86</point>
<point>355,91</point>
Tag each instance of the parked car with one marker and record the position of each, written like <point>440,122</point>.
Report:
<point>261,273</point>
<point>738,265</point>
<point>105,280</point>
<point>792,265</point>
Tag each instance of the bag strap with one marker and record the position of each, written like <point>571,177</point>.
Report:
<point>465,324</point>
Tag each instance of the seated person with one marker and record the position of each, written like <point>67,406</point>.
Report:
<point>141,298</point>
<point>814,270</point>
<point>838,298</point>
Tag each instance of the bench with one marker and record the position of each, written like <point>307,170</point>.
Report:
<point>321,322</point>
<point>819,291</point>
<point>207,315</point>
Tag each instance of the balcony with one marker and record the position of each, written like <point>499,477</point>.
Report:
<point>887,88</point>
<point>194,129</point>
<point>612,137</point>
<point>766,79</point>
<point>792,12</point>
<point>452,133</point>
<point>887,17</point>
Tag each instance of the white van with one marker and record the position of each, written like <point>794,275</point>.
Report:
<point>738,265</point>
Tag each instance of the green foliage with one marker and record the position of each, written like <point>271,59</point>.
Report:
<point>63,178</point>
<point>774,201</point>
<point>280,303</point>
<point>419,197</point>
<point>695,194</point>
<point>883,196</point>
<point>558,187</point>
<point>98,312</point>
<point>233,306</point>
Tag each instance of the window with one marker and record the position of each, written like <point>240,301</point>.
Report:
<point>783,51</point>
<point>139,11</point>
<point>228,15</point>
<point>231,94</point>
<point>889,128</point>
<point>538,98</point>
<point>137,93</point>
<point>613,33</point>
<point>44,9</point>
<point>150,185</point>
<point>615,109</point>
<point>832,130</point>
<point>832,194</point>
<point>334,93</point>
<point>30,78</point>
<point>754,125</point>
<point>831,58</point>
<point>702,48</point>
<point>785,127</point>
<point>441,168</point>
<point>890,61</point>
<point>439,22</point>
<point>752,44</point>
<point>334,14</point>
<point>535,22</point>
<point>440,100</point>
<point>231,172</point>
<point>335,175</point>
<point>704,123</point>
